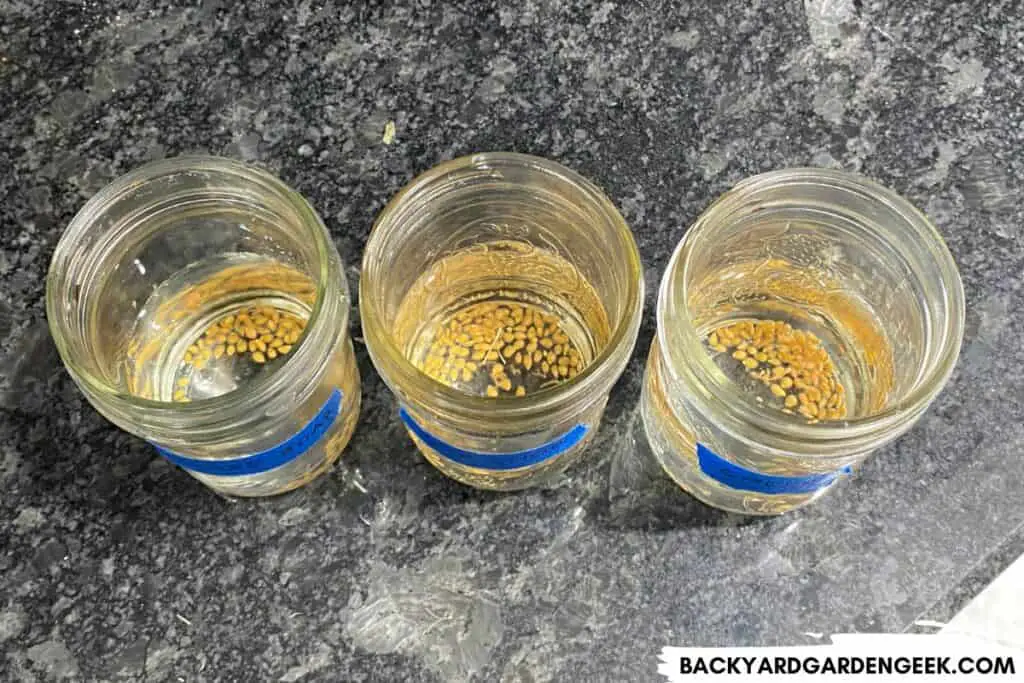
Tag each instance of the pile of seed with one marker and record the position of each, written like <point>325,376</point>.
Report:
<point>792,363</point>
<point>508,344</point>
<point>261,332</point>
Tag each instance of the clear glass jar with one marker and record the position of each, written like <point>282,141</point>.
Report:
<point>512,249</point>
<point>200,304</point>
<point>829,262</point>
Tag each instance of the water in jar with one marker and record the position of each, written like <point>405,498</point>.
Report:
<point>794,340</point>
<point>502,320</point>
<point>218,326</point>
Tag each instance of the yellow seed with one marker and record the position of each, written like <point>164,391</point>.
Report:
<point>230,350</point>
<point>250,332</point>
<point>527,361</point>
<point>492,355</point>
<point>538,356</point>
<point>519,359</point>
<point>470,365</point>
<point>520,391</point>
<point>267,338</point>
<point>193,349</point>
<point>179,395</point>
<point>545,367</point>
<point>720,348</point>
<point>492,391</point>
<point>232,338</point>
<point>227,321</point>
<point>786,382</point>
<point>479,355</point>
<point>258,345</point>
<point>292,337</point>
<point>791,401</point>
<point>183,382</point>
<point>276,342</point>
<point>272,325</point>
<point>762,357</point>
<point>259,357</point>
<point>218,351</point>
<point>505,384</point>
<point>739,354</point>
<point>241,346</point>
<point>188,357</point>
<point>546,343</point>
<point>713,339</point>
<point>564,361</point>
<point>777,390</point>
<point>285,348</point>
<point>749,363</point>
<point>531,347</point>
<point>271,354</point>
<point>508,351</point>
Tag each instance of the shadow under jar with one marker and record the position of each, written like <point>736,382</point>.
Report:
<point>501,296</point>
<point>199,303</point>
<point>807,318</point>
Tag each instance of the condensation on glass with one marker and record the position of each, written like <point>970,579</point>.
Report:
<point>199,303</point>
<point>500,298</point>
<point>807,318</point>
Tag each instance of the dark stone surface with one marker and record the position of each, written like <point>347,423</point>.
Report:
<point>115,566</point>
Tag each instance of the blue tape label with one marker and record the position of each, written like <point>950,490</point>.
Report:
<point>496,461</point>
<point>272,458</point>
<point>734,476</point>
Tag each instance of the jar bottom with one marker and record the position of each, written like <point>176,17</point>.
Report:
<point>674,446</point>
<point>505,480</point>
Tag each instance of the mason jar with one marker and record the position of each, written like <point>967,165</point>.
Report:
<point>500,299</point>
<point>808,317</point>
<point>200,304</point>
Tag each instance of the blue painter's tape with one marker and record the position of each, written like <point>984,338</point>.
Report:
<point>496,461</point>
<point>272,458</point>
<point>734,476</point>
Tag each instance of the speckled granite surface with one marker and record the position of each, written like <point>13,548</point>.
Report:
<point>115,566</point>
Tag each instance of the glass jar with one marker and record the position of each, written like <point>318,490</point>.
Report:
<point>500,298</point>
<point>200,304</point>
<point>830,272</point>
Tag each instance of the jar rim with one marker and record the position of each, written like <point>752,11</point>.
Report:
<point>396,369</point>
<point>672,311</point>
<point>219,408</point>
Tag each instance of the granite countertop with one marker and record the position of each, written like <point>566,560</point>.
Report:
<point>117,566</point>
